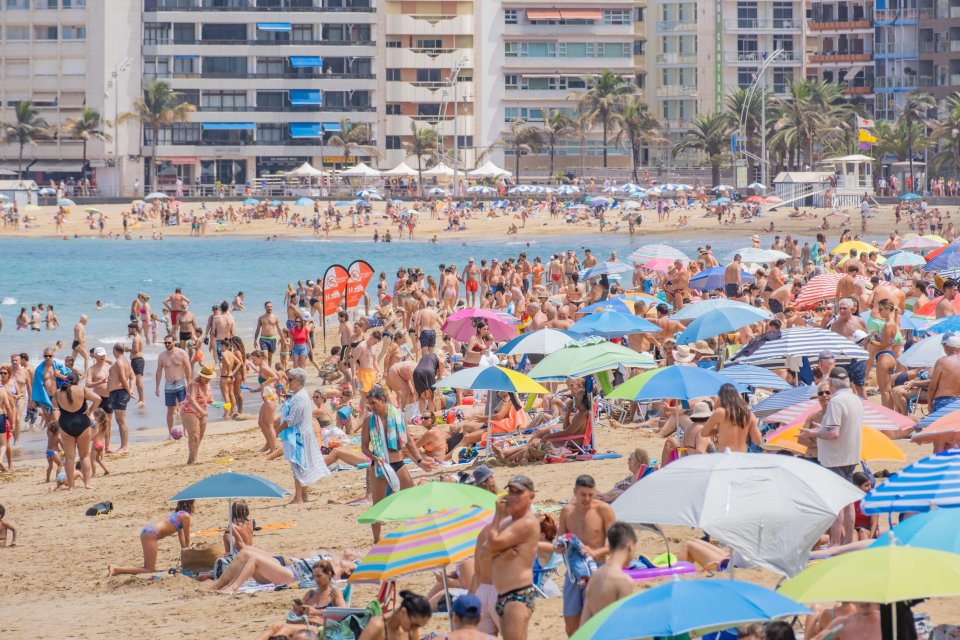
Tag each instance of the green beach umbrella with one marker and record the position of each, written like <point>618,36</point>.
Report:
<point>427,498</point>
<point>586,357</point>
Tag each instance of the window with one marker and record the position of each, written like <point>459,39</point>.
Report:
<point>616,16</point>
<point>74,33</point>
<point>785,43</point>
<point>185,66</point>
<point>156,67</point>
<point>783,15</point>
<point>511,81</point>
<point>45,33</point>
<point>393,142</point>
<point>184,33</point>
<point>639,47</point>
<point>46,4</point>
<point>74,4</point>
<point>747,47</point>
<point>522,113</point>
<point>465,142</point>
<point>335,99</point>
<point>428,75</point>
<point>428,109</point>
<point>573,83</point>
<point>18,4</point>
<point>614,50</point>
<point>302,33</point>
<point>270,133</point>
<point>511,49</point>
<point>393,75</point>
<point>223,100</point>
<point>782,77</point>
<point>229,67</point>
<point>538,49</point>
<point>221,32</point>
<point>429,44</point>
<point>744,78</point>
<point>270,67</point>
<point>156,32</point>
<point>393,109</point>
<point>572,50</point>
<point>334,32</point>
<point>540,84</point>
<point>393,44</point>
<point>270,100</point>
<point>18,33</point>
<point>189,96</point>
<point>510,16</point>
<point>747,15</point>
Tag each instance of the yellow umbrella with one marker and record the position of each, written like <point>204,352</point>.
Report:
<point>880,259</point>
<point>935,238</point>
<point>873,444</point>
<point>92,210</point>
<point>844,247</point>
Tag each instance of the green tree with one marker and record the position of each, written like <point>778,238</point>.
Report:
<point>26,128</point>
<point>524,139</point>
<point>604,100</point>
<point>581,127</point>
<point>798,122</point>
<point>709,135</point>
<point>639,128</point>
<point>423,144</point>
<point>353,137</point>
<point>949,127</point>
<point>556,125</point>
<point>916,111</point>
<point>86,127</point>
<point>159,107</point>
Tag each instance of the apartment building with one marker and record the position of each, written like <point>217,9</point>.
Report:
<point>938,24</point>
<point>536,55</point>
<point>64,55</point>
<point>840,46</point>
<point>272,80</point>
<point>427,53</point>
<point>896,55</point>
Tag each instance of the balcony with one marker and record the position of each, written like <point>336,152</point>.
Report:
<point>763,24</point>
<point>895,16</point>
<point>845,26</point>
<point>289,109</point>
<point>906,83</point>
<point>677,91</point>
<point>249,5</point>
<point>894,50</point>
<point>676,58</point>
<point>839,58</point>
<point>860,90</point>
<point>931,46</point>
<point>149,77</point>
<point>269,43</point>
<point>669,26</point>
<point>756,57</point>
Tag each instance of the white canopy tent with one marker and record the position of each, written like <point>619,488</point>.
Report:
<point>488,170</point>
<point>402,169</point>
<point>439,171</point>
<point>360,171</point>
<point>306,170</point>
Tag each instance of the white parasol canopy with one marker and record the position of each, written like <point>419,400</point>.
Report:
<point>439,171</point>
<point>402,169</point>
<point>488,170</point>
<point>306,170</point>
<point>360,171</point>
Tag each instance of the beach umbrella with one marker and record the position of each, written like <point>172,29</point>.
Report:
<point>909,196</point>
<point>782,400</point>
<point>605,268</point>
<point>748,375</point>
<point>945,410</point>
<point>586,357</point>
<point>646,298</point>
<point>273,203</point>
<point>480,188</point>
<point>945,429</point>
<point>723,187</point>
<point>943,259</point>
<point>612,304</point>
<point>905,259</point>
<point>541,342</point>
<point>654,251</point>
<point>697,309</point>
<point>818,289</point>
<point>924,353</point>
<point>568,190</point>
<point>611,324</point>
<point>674,382</point>
<point>718,321</point>
<point>938,529</point>
<point>757,186</point>
<point>873,444</point>
<point>882,575</point>
<point>801,341</point>
<point>876,415</point>
<point>659,264</point>
<point>949,324</point>
<point>930,482</point>
<point>366,194</point>
<point>491,379</point>
<point>770,509</point>
<point>65,202</point>
<point>304,202</point>
<point>935,238</point>
<point>908,321</point>
<point>230,486</point>
<point>92,210</point>
<point>437,191</point>
<point>930,308</point>
<point>918,243</point>
<point>156,195</point>
<point>680,607</point>
<point>719,202</point>
<point>47,191</point>
<point>599,201</point>
<point>430,497</point>
<point>952,247</point>
<point>754,200</point>
<point>639,195</point>
<point>773,200</point>
<point>459,325</point>
<point>630,204</point>
<point>757,255</point>
<point>712,278</point>
<point>845,247</point>
<point>500,204</point>
<point>251,201</point>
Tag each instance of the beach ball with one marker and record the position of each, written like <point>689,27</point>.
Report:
<point>176,433</point>
<point>227,405</point>
<point>61,477</point>
<point>98,445</point>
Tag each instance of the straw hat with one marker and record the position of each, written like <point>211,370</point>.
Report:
<point>701,347</point>
<point>683,354</point>
<point>206,371</point>
<point>701,411</point>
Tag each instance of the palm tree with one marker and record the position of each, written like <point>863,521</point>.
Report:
<point>524,139</point>
<point>639,128</point>
<point>556,125</point>
<point>159,107</point>
<point>353,137</point>
<point>798,122</point>
<point>27,128</point>
<point>710,135</point>
<point>423,144</point>
<point>604,100</point>
<point>581,127</point>
<point>87,126</point>
<point>745,107</point>
<point>916,110</point>
<point>950,126</point>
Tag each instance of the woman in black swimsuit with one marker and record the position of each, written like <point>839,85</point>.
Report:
<point>75,425</point>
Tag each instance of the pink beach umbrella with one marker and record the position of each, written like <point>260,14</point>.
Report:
<point>459,326</point>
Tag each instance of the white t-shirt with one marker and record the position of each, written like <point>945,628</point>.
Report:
<point>844,412</point>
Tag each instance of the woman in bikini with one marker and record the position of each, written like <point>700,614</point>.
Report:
<point>310,610</point>
<point>230,367</point>
<point>403,623</point>
<point>732,422</point>
<point>193,411</point>
<point>476,344</point>
<point>75,422</point>
<point>884,345</point>
<point>177,522</point>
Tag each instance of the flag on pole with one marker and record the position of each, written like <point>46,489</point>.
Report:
<point>864,123</point>
<point>866,136</point>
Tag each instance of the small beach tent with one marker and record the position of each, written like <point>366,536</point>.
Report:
<point>439,171</point>
<point>360,171</point>
<point>488,170</point>
<point>306,170</point>
<point>402,169</point>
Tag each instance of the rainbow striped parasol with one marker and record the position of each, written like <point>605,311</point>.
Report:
<point>429,542</point>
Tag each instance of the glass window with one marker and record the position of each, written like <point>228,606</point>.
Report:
<point>573,49</point>
<point>227,66</point>
<point>45,33</point>
<point>74,4</point>
<point>393,75</point>
<point>393,44</point>
<point>222,32</point>
<point>334,32</point>
<point>782,77</point>
<point>614,50</point>
<point>511,81</point>
<point>302,33</point>
<point>270,133</point>
<point>428,108</point>
<point>744,78</point>
<point>46,4</point>
<point>541,84</point>
<point>394,142</point>
<point>429,44</point>
<point>510,16</point>
<point>18,4</point>
<point>185,66</point>
<point>747,15</point>
<point>428,75</point>
<point>156,32</point>
<point>18,33</point>
<point>270,100</point>
<point>335,99</point>
<point>393,109</point>
<point>184,33</point>
<point>783,15</point>
<point>511,49</point>
<point>538,49</point>
<point>465,142</point>
<point>74,33</point>
<point>271,66</point>
<point>223,100</point>
<point>616,16</point>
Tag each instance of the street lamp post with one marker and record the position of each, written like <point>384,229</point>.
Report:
<point>456,112</point>
<point>761,77</point>
<point>115,82</point>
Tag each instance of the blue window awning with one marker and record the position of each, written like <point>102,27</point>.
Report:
<point>306,130</point>
<point>274,26</point>
<point>185,57</point>
<point>229,126</point>
<point>305,62</point>
<point>302,97</point>
<point>332,126</point>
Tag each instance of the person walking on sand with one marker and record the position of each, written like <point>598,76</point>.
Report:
<point>177,522</point>
<point>79,346</point>
<point>173,367</point>
<point>268,333</point>
<point>137,362</point>
<point>120,383</point>
<point>295,431</point>
<point>193,411</point>
<point>176,304</point>
<point>75,421</point>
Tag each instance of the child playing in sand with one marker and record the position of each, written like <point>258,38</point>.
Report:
<point>4,527</point>
<point>53,449</point>
<point>242,527</point>
<point>176,523</point>
<point>102,426</point>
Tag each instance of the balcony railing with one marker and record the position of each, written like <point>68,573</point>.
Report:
<point>757,24</point>
<point>890,82</point>
<point>760,56</point>
<point>257,76</point>
<point>677,90</point>
<point>239,5</point>
<point>931,46</point>
<point>289,142</point>
<point>288,109</point>
<point>676,25</point>
<point>902,50</point>
<point>839,25</point>
<point>838,58</point>
<point>895,15</point>
<point>272,43</point>
<point>676,58</point>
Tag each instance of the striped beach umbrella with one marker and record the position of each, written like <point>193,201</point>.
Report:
<point>758,255</point>
<point>942,412</point>
<point>568,190</point>
<point>541,341</point>
<point>606,267</point>
<point>905,259</point>
<point>818,289</point>
<point>875,415</point>
<point>930,482</point>
<point>429,542</point>
<point>491,379</point>
<point>650,252</point>
<point>802,341</point>
<point>756,377</point>
<point>783,399</point>
<point>944,429</point>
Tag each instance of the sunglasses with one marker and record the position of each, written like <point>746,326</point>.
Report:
<point>429,418</point>
<point>48,355</point>
<point>4,373</point>
<point>824,393</point>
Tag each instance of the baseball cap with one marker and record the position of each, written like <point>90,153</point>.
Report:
<point>825,355</point>
<point>99,351</point>
<point>521,482</point>
<point>481,474</point>
<point>840,374</point>
<point>467,606</point>
<point>952,341</point>
<point>859,335</point>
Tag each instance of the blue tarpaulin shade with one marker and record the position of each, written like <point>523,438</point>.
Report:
<point>305,62</point>
<point>274,26</point>
<point>300,97</point>
<point>331,126</point>
<point>229,126</point>
<point>305,130</point>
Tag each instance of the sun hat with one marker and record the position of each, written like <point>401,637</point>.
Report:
<point>206,371</point>
<point>701,347</point>
<point>684,354</point>
<point>99,351</point>
<point>701,411</point>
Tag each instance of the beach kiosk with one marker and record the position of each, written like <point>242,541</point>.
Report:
<point>840,181</point>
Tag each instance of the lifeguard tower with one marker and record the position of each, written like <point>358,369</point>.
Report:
<point>845,178</point>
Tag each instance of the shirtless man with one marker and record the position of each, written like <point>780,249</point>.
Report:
<point>854,261</point>
<point>23,378</point>
<point>223,328</point>
<point>79,346</point>
<point>268,333</point>
<point>119,386</point>
<point>846,323</point>
<point>136,357</point>
<point>588,519</point>
<point>846,287</point>
<point>589,260</point>
<point>187,329</point>
<point>775,279</point>
<point>676,285</point>
<point>945,379</point>
<point>365,364</point>
<point>173,365</point>
<point>512,543</point>
<point>176,304</point>
<point>426,319</point>
<point>780,297</point>
<point>668,327</point>
<point>610,583</point>
<point>97,377</point>
<point>399,379</point>
<point>50,377</point>
<point>554,274</point>
<point>945,306</point>
<point>482,583</point>
<point>571,265</point>
<point>886,291</point>
<point>231,371</point>
<point>471,280</point>
<point>863,624</point>
<point>732,279</point>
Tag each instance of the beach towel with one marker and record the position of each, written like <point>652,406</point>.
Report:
<point>38,392</point>
<point>580,566</point>
<point>351,625</point>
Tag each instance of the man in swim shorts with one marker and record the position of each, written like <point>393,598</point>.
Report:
<point>732,279</point>
<point>268,332</point>
<point>945,379</point>
<point>136,357</point>
<point>173,366</point>
<point>176,304</point>
<point>471,279</point>
<point>120,383</point>
<point>365,363</point>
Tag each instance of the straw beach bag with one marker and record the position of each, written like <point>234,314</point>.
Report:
<point>199,558</point>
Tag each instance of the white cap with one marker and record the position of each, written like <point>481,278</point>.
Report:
<point>99,351</point>
<point>953,341</point>
<point>859,335</point>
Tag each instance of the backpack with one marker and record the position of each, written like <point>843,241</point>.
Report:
<point>352,625</point>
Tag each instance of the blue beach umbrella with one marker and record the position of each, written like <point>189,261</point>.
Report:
<point>756,377</point>
<point>251,201</point>
<point>938,529</point>
<point>568,190</point>
<point>757,186</point>
<point>612,324</point>
<point>65,202</point>
<point>541,342</point>
<point>948,258</point>
<point>784,399</point>
<point>909,196</point>
<point>479,188</point>
<point>605,268</point>
<point>47,191</point>
<point>304,202</point>
<point>924,353</point>
<point>723,187</point>
<point>673,382</point>
<point>930,482</point>
<point>950,324</point>
<point>710,279</point>
<point>613,304</point>
<point>686,606</point>
<point>942,412</point>
<point>905,259</point>
<point>718,321</point>
<point>697,309</point>
<point>276,203</point>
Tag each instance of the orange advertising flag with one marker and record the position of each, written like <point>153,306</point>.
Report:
<point>334,288</point>
<point>360,273</point>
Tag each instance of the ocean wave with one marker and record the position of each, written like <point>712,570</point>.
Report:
<point>8,300</point>
<point>112,339</point>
